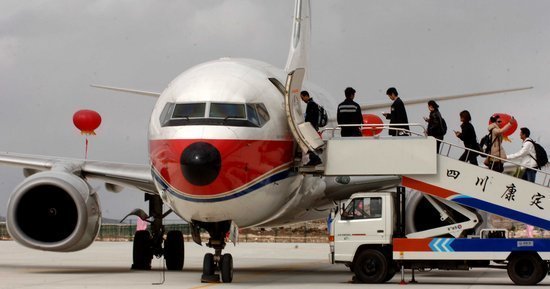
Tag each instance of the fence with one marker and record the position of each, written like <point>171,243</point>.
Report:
<point>310,232</point>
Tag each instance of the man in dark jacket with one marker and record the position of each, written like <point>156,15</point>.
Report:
<point>312,110</point>
<point>349,112</point>
<point>398,113</point>
<point>312,116</point>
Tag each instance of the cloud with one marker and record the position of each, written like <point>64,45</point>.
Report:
<point>50,51</point>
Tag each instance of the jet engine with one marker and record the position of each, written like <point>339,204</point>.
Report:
<point>54,211</point>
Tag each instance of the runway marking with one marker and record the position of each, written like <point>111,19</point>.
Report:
<point>206,286</point>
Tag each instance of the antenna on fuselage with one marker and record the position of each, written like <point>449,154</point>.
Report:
<point>298,55</point>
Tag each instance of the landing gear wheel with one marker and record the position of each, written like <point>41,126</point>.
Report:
<point>371,266</point>
<point>226,268</point>
<point>526,269</point>
<point>142,252</point>
<point>174,253</point>
<point>208,264</point>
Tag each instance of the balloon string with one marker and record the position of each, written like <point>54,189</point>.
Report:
<point>86,153</point>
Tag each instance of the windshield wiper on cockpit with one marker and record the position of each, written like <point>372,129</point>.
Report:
<point>229,116</point>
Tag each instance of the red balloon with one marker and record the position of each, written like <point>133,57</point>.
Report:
<point>505,120</point>
<point>371,130</point>
<point>87,121</point>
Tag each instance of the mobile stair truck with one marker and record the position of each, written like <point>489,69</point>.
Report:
<point>367,232</point>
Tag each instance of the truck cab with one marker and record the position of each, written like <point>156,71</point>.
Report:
<point>366,218</point>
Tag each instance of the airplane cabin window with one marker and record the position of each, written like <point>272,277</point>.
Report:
<point>215,113</point>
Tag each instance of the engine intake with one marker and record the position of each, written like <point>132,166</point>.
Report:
<point>54,211</point>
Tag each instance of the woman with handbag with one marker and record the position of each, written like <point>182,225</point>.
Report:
<point>468,136</point>
<point>496,139</point>
<point>436,124</point>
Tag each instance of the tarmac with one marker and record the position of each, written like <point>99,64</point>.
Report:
<point>257,265</point>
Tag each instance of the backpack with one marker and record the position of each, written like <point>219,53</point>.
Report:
<point>441,129</point>
<point>541,157</point>
<point>323,116</point>
<point>443,126</point>
<point>486,143</point>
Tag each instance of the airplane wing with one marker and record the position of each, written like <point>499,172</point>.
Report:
<point>439,98</point>
<point>115,175</point>
<point>120,89</point>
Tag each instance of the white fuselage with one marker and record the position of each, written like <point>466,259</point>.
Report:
<point>217,156</point>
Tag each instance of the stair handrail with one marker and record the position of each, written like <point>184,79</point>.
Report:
<point>384,126</point>
<point>545,182</point>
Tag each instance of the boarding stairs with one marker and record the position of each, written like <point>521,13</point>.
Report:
<point>414,158</point>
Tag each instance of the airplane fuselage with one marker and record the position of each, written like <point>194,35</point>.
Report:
<point>221,149</point>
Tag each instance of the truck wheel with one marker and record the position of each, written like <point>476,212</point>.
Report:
<point>351,266</point>
<point>526,269</point>
<point>371,266</point>
<point>392,269</point>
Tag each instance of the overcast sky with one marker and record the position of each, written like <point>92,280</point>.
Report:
<point>50,51</point>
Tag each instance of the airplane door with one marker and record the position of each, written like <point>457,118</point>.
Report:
<point>303,132</point>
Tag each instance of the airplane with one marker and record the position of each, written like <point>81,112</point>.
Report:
<point>222,156</point>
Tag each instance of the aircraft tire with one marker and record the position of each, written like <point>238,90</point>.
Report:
<point>526,269</point>
<point>142,252</point>
<point>226,268</point>
<point>174,252</point>
<point>208,264</point>
<point>371,266</point>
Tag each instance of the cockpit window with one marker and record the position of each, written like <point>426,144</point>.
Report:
<point>188,110</point>
<point>262,112</point>
<point>214,113</point>
<point>227,110</point>
<point>252,114</point>
<point>278,85</point>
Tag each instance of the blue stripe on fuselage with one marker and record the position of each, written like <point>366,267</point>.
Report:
<point>271,179</point>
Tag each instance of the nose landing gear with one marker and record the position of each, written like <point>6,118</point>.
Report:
<point>222,263</point>
<point>212,263</point>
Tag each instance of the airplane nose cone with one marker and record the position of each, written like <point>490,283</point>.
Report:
<point>200,163</point>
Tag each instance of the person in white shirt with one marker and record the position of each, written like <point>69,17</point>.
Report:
<point>526,156</point>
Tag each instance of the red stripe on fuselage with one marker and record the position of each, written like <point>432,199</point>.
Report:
<point>243,161</point>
